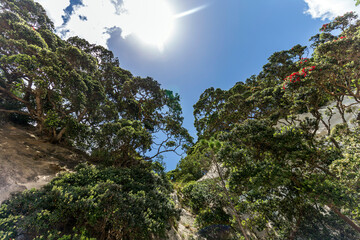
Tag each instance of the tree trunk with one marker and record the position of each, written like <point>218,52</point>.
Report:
<point>40,125</point>
<point>229,199</point>
<point>38,112</point>
<point>345,218</point>
<point>57,137</point>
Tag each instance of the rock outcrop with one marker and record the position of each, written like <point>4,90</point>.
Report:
<point>28,162</point>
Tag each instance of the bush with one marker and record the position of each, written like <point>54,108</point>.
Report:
<point>102,203</point>
<point>206,200</point>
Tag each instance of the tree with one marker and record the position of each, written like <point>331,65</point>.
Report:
<point>281,172</point>
<point>259,97</point>
<point>274,169</point>
<point>338,59</point>
<point>76,91</point>
<point>55,84</point>
<point>98,203</point>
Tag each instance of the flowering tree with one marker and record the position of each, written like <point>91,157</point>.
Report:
<point>289,181</point>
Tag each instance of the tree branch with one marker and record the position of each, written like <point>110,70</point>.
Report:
<point>10,94</point>
<point>345,218</point>
<point>15,111</point>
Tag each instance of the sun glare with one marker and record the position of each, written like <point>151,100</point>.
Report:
<point>152,20</point>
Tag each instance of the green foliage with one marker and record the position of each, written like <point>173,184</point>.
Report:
<point>198,161</point>
<point>259,97</point>
<point>76,91</point>
<point>191,168</point>
<point>280,177</point>
<point>122,140</point>
<point>285,180</point>
<point>347,169</point>
<point>206,201</point>
<point>99,203</point>
<point>284,171</point>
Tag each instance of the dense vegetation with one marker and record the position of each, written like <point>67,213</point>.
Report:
<point>281,175</point>
<point>107,203</point>
<point>276,177</point>
<point>76,94</point>
<point>76,91</point>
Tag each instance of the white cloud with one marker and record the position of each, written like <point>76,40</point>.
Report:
<point>55,9</point>
<point>95,19</point>
<point>100,17</point>
<point>329,9</point>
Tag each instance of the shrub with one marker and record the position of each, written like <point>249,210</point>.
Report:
<point>102,203</point>
<point>206,200</point>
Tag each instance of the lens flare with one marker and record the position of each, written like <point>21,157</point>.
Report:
<point>191,11</point>
<point>150,20</point>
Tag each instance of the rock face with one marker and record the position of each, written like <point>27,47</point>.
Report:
<point>213,173</point>
<point>27,162</point>
<point>353,113</point>
<point>185,226</point>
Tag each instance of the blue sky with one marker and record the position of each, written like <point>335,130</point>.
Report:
<point>226,42</point>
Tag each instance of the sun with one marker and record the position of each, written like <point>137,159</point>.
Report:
<point>152,20</point>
